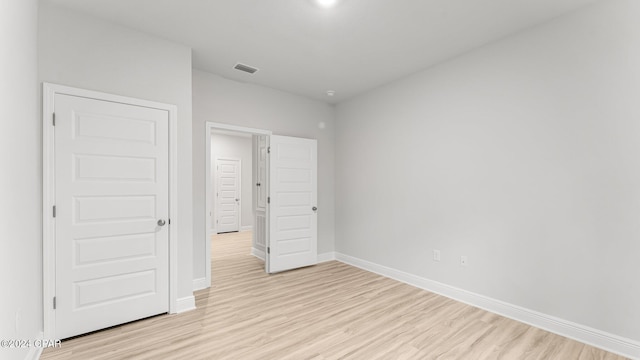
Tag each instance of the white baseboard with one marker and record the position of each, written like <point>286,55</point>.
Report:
<point>35,352</point>
<point>257,253</point>
<point>186,304</point>
<point>246,228</point>
<point>199,284</point>
<point>603,340</point>
<point>328,256</point>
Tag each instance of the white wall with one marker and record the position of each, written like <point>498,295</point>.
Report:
<point>225,101</point>
<point>523,155</point>
<point>235,147</point>
<point>86,52</point>
<point>20,184</point>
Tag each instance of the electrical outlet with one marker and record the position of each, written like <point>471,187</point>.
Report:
<point>436,255</point>
<point>463,260</point>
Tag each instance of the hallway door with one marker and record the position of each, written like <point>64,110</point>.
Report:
<point>227,195</point>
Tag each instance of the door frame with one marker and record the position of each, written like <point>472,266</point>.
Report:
<point>49,92</point>
<point>209,128</point>
<point>216,185</point>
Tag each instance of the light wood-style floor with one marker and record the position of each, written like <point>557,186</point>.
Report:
<point>328,311</point>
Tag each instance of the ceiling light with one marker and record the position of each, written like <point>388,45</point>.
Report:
<point>326,3</point>
<point>331,92</point>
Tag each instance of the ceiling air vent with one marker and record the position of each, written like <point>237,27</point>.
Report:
<point>245,68</point>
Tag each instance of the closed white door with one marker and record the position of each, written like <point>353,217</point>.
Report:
<point>227,195</point>
<point>111,196</point>
<point>292,204</point>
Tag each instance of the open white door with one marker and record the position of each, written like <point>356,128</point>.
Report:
<point>293,204</point>
<point>111,214</point>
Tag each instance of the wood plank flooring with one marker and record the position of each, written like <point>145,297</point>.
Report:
<point>328,311</point>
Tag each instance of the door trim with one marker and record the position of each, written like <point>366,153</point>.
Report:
<point>48,193</point>
<point>209,127</point>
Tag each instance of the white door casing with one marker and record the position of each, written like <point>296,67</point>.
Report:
<point>261,186</point>
<point>228,195</point>
<point>293,203</point>
<point>106,259</point>
<point>261,172</point>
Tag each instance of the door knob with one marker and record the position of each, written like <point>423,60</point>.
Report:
<point>314,208</point>
<point>161,222</point>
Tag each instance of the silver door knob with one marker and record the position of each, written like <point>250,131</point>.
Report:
<point>161,222</point>
<point>314,208</point>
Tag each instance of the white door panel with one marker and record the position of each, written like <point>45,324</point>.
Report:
<point>111,175</point>
<point>293,217</point>
<point>228,195</point>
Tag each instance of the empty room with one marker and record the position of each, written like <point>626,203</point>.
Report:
<point>320,179</point>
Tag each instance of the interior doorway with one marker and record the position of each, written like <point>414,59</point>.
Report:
<point>229,142</point>
<point>284,198</point>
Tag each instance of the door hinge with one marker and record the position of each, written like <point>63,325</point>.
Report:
<point>54,211</point>
<point>269,200</point>
<point>169,221</point>
<point>268,250</point>
<point>54,303</point>
<point>54,119</point>
<point>269,150</point>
